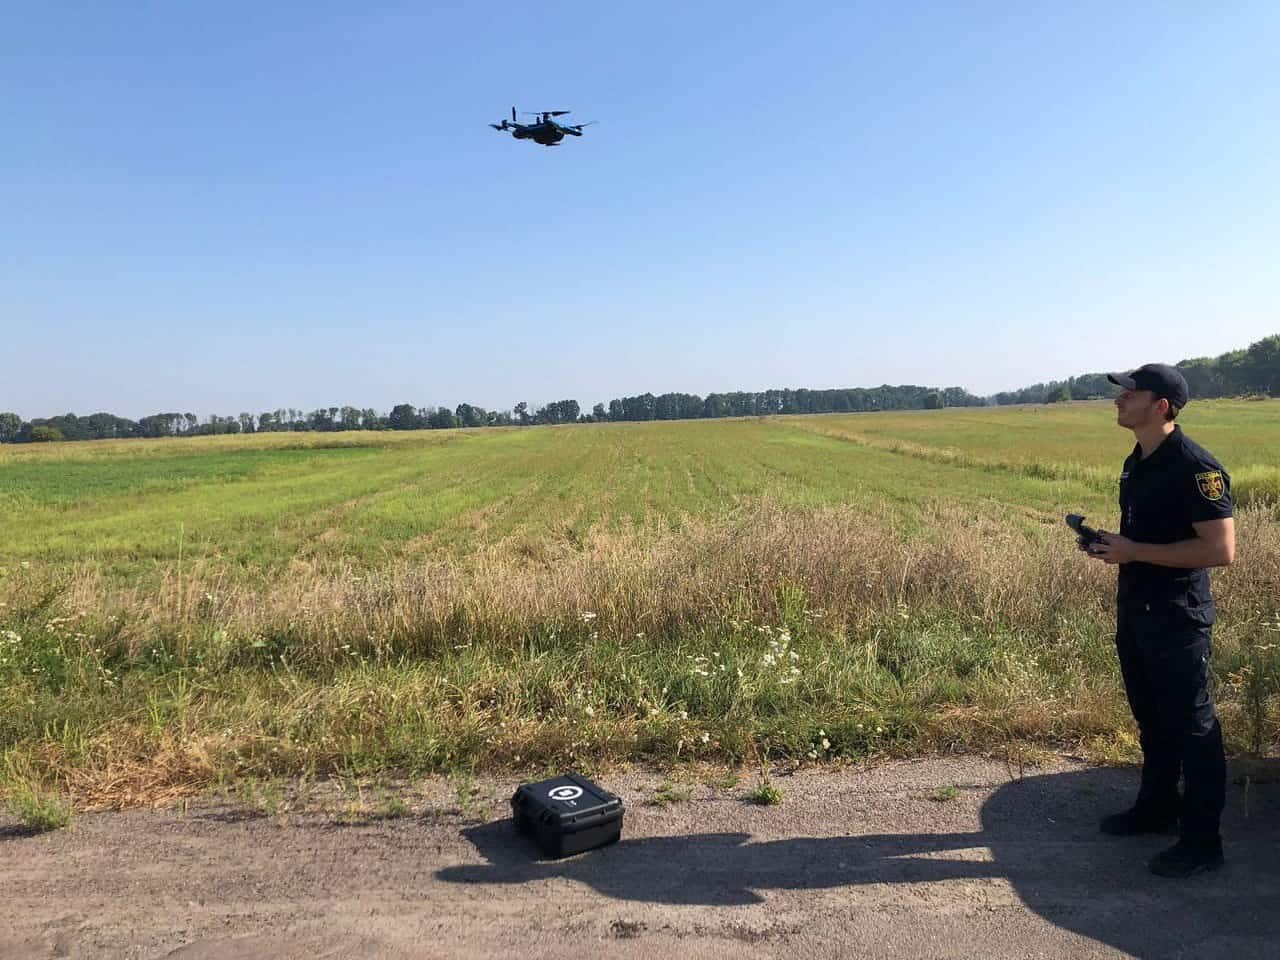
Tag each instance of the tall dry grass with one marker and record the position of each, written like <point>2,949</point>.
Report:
<point>847,564</point>
<point>773,627</point>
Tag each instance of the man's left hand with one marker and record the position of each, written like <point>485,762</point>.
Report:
<point>1114,549</point>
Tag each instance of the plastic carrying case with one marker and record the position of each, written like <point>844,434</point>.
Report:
<point>567,815</point>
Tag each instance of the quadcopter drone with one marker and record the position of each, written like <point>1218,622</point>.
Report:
<point>544,130</point>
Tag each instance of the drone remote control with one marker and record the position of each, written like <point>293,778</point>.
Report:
<point>1086,534</point>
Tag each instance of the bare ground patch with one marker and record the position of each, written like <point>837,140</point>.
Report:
<point>854,862</point>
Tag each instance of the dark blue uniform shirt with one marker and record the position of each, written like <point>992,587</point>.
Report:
<point>1181,483</point>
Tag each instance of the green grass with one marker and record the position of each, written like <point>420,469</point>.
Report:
<point>669,793</point>
<point>765,795</point>
<point>173,612</point>
<point>1071,441</point>
<point>256,504</point>
<point>33,805</point>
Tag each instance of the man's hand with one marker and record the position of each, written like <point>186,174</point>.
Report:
<point>1113,549</point>
<point>1214,545</point>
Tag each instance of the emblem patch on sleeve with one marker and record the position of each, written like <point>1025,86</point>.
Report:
<point>1211,485</point>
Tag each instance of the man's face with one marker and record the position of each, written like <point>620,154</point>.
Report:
<point>1138,408</point>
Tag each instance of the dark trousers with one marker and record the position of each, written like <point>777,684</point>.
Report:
<point>1164,657</point>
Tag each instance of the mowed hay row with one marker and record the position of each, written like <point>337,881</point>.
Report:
<point>779,628</point>
<point>848,566</point>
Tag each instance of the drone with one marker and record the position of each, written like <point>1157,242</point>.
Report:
<point>544,130</point>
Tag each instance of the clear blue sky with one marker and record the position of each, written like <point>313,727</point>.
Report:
<point>225,207</point>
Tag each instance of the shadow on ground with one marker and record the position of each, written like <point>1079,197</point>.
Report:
<point>19,832</point>
<point>1042,836</point>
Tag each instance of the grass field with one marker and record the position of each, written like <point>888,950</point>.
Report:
<point>175,612</point>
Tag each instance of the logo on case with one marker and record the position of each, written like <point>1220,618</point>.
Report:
<point>565,793</point>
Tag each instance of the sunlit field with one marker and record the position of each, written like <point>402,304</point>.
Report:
<point>178,611</point>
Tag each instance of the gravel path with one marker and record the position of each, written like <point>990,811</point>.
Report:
<point>880,862</point>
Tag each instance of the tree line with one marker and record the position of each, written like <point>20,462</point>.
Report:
<point>1253,370</point>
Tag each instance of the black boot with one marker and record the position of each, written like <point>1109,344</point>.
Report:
<point>1193,853</point>
<point>1136,820</point>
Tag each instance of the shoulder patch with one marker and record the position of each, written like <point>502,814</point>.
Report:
<point>1211,485</point>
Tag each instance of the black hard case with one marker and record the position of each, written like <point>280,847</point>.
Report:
<point>567,815</point>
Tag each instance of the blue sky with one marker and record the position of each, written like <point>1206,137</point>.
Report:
<point>235,207</point>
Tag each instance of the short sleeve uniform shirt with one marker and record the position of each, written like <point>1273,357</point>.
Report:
<point>1181,483</point>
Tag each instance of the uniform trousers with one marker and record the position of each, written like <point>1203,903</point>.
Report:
<point>1164,658</point>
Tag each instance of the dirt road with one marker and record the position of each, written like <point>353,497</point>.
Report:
<point>885,862</point>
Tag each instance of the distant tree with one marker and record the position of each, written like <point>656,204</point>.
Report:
<point>1058,393</point>
<point>1262,366</point>
<point>404,417</point>
<point>521,413</point>
<point>959,397</point>
<point>469,416</point>
<point>1255,369</point>
<point>246,423</point>
<point>598,413</point>
<point>10,427</point>
<point>45,434</point>
<point>321,420</point>
<point>441,418</point>
<point>562,411</point>
<point>156,425</point>
<point>934,401</point>
<point>106,426</point>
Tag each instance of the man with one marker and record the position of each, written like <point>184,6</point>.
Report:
<point>1175,522</point>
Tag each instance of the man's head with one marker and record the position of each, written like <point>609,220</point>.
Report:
<point>1150,395</point>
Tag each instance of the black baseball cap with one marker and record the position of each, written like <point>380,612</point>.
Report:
<point>1161,379</point>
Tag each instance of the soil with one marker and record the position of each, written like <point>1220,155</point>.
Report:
<point>936,858</point>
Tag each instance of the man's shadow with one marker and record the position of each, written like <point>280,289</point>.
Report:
<point>1042,837</point>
